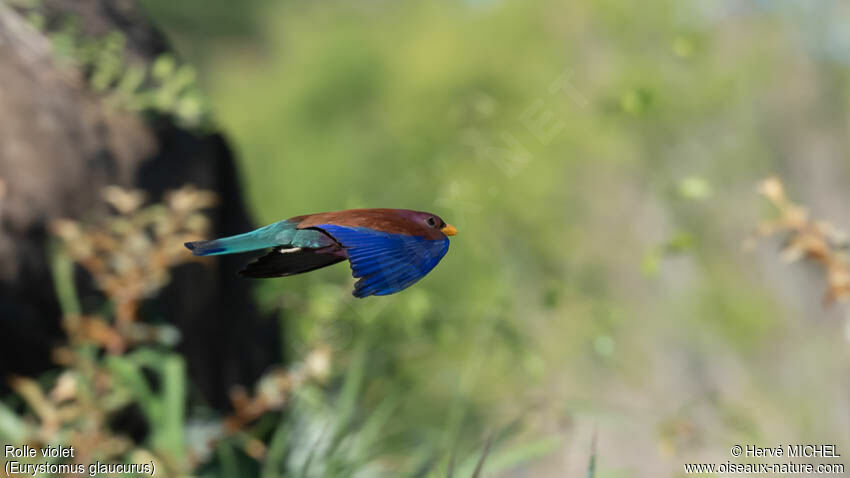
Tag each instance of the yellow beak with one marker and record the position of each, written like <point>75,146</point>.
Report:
<point>449,230</point>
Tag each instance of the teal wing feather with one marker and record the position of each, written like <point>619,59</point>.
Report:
<point>283,233</point>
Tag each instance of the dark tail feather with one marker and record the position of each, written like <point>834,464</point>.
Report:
<point>282,262</point>
<point>205,248</point>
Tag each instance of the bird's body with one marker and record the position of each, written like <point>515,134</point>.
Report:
<point>388,249</point>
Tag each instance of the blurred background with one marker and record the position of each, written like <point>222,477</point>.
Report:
<point>614,302</point>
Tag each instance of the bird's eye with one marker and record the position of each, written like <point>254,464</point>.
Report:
<point>431,221</point>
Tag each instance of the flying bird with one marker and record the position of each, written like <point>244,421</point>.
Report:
<point>388,249</point>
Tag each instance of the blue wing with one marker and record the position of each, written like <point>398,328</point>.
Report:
<point>386,263</point>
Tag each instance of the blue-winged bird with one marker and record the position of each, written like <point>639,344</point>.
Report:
<point>388,249</point>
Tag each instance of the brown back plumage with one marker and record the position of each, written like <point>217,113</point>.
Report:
<point>395,221</point>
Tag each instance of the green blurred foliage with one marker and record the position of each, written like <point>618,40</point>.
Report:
<point>162,88</point>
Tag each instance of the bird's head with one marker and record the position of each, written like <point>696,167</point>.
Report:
<point>433,221</point>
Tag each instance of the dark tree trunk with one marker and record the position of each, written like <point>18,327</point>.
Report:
<point>60,144</point>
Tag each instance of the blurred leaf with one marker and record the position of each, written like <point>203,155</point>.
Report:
<point>368,437</point>
<point>13,429</point>
<point>173,373</point>
<point>276,454</point>
<point>694,188</point>
<point>163,67</point>
<point>651,263</point>
<point>683,47</point>
<point>128,374</point>
<point>591,462</point>
<point>62,270</point>
<point>227,460</point>
<point>502,459</point>
<point>679,243</point>
<point>636,102</point>
<point>346,404</point>
<point>479,467</point>
<point>205,20</point>
<point>131,79</point>
<point>604,345</point>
